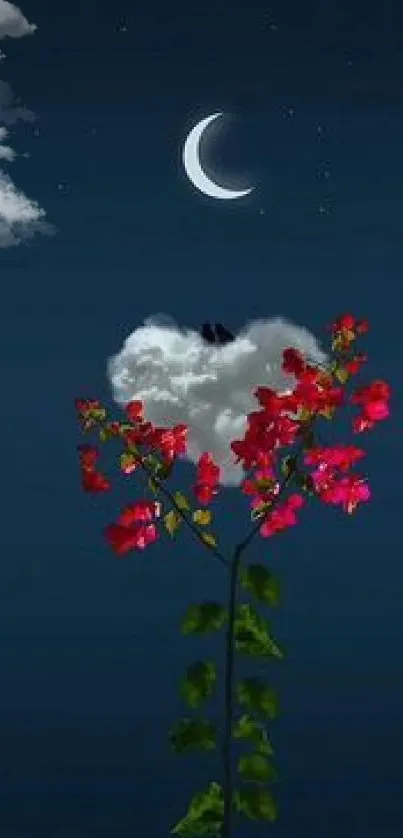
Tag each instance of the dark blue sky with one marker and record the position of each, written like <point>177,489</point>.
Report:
<point>89,646</point>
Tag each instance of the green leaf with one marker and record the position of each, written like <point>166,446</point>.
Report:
<point>97,414</point>
<point>261,584</point>
<point>172,521</point>
<point>265,484</point>
<point>205,814</point>
<point>193,733</point>
<point>199,682</point>
<point>252,636</point>
<point>181,501</point>
<point>248,729</point>
<point>105,433</point>
<point>257,697</point>
<point>199,619</point>
<point>152,463</point>
<point>256,804</point>
<point>127,462</point>
<point>288,465</point>
<point>209,539</point>
<point>202,517</point>
<point>124,427</point>
<point>261,510</point>
<point>255,768</point>
<point>159,468</point>
<point>341,374</point>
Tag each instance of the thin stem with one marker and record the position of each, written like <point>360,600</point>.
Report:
<point>229,698</point>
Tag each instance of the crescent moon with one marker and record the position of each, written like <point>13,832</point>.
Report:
<point>194,169</point>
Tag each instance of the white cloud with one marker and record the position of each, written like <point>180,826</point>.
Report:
<point>13,24</point>
<point>10,108</point>
<point>6,153</point>
<point>182,379</point>
<point>20,217</point>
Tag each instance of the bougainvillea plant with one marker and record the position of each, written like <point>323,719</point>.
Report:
<point>285,464</point>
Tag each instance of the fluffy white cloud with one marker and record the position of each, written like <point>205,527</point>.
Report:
<point>13,24</point>
<point>180,378</point>
<point>20,217</point>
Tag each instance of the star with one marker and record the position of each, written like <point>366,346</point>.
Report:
<point>324,209</point>
<point>288,111</point>
<point>272,26</point>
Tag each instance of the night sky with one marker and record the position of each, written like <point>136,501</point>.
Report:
<point>90,650</point>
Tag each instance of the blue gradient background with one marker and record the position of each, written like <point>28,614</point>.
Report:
<point>90,653</point>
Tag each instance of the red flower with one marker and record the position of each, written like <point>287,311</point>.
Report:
<point>134,411</point>
<point>94,481</point>
<point>349,492</point>
<point>293,362</point>
<point>282,517</point>
<point>374,402</point>
<point>122,539</point>
<point>207,478</point>
<point>88,455</point>
<point>354,365</point>
<point>142,511</point>
<point>340,456</point>
<point>135,527</point>
<point>344,323</point>
<point>362,326</point>
<point>171,441</point>
<point>85,406</point>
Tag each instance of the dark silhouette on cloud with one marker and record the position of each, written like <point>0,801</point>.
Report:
<point>219,334</point>
<point>207,333</point>
<point>223,336</point>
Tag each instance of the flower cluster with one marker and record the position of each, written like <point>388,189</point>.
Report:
<point>135,527</point>
<point>92,479</point>
<point>282,421</point>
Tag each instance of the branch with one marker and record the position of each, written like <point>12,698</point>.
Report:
<point>195,530</point>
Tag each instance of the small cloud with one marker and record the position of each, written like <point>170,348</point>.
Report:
<point>6,152</point>
<point>13,24</point>
<point>10,108</point>
<point>20,217</point>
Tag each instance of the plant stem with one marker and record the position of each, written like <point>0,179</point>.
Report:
<point>188,521</point>
<point>228,785</point>
<point>229,697</point>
